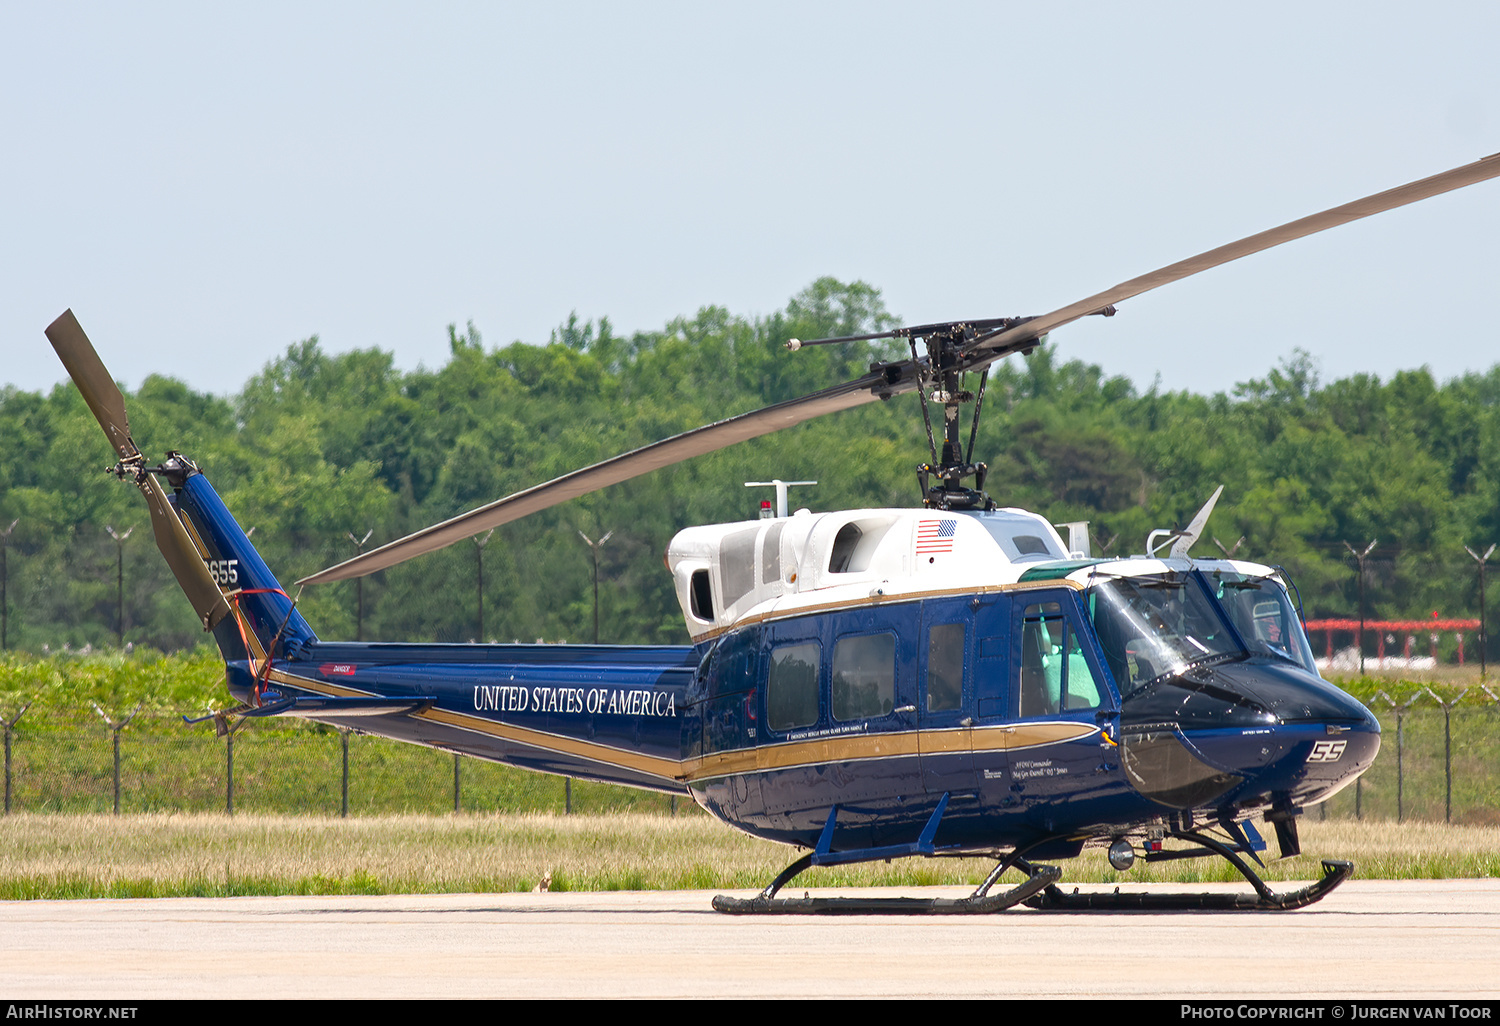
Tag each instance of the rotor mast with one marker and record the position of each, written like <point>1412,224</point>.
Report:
<point>943,383</point>
<point>939,380</point>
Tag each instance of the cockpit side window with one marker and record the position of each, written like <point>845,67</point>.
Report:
<point>1055,677</point>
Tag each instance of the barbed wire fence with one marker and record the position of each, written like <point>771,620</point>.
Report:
<point>152,764</point>
<point>1440,762</point>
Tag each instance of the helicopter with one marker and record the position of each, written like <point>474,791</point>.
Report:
<point>949,680</point>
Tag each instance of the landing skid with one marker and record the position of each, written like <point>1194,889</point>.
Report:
<point>1038,891</point>
<point>1054,898</point>
<point>978,903</point>
<point>1039,879</point>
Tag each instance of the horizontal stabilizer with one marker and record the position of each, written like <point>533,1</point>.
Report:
<point>276,704</point>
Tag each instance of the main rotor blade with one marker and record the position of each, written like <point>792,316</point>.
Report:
<point>92,378</point>
<point>889,380</point>
<point>1479,171</point>
<point>882,382</point>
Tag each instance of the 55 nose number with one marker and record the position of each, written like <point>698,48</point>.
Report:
<point>1327,751</point>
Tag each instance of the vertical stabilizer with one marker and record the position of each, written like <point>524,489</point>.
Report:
<point>264,620</point>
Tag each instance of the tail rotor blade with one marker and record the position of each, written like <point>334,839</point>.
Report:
<point>93,380</point>
<point>182,555</point>
<point>108,404</point>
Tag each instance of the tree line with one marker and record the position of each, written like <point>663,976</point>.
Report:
<point>320,449</point>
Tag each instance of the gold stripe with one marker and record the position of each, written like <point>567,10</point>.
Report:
<point>784,755</point>
<point>247,633</point>
<point>321,687</point>
<point>860,747</point>
<point>192,531</point>
<point>669,769</point>
<point>941,742</point>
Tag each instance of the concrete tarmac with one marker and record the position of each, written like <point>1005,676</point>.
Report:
<point>1369,940</point>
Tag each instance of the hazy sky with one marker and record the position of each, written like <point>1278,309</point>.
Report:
<point>206,183</point>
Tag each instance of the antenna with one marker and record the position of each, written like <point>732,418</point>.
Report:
<point>1360,557</point>
<point>781,487</point>
<point>1183,540</point>
<point>1186,539</point>
<point>1229,552</point>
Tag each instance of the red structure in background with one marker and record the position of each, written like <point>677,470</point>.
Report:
<point>1408,628</point>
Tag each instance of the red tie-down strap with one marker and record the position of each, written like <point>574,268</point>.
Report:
<point>263,672</point>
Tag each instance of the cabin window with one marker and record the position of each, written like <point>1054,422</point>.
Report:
<point>770,554</point>
<point>701,597</point>
<point>792,690</point>
<point>864,676</point>
<point>737,565</point>
<point>731,665</point>
<point>1030,545</point>
<point>945,667</point>
<point>1055,676</point>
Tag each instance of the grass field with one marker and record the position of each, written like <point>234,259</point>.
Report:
<point>160,855</point>
<point>402,834</point>
<point>62,752</point>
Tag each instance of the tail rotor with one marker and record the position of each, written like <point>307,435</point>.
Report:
<point>108,405</point>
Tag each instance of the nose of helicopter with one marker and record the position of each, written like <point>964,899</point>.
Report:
<point>1320,740</point>
<point>1248,734</point>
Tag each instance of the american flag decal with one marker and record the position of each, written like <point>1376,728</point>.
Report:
<point>935,536</point>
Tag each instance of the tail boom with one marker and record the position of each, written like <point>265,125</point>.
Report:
<point>605,713</point>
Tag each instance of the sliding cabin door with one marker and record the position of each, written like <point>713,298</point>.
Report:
<point>945,696</point>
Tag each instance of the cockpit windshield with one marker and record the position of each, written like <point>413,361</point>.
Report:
<point>1156,624</point>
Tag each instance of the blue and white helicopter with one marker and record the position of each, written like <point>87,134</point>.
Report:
<point>952,680</point>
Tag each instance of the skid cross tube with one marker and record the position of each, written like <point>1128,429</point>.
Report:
<point>978,903</point>
<point>1038,891</point>
<point>824,855</point>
